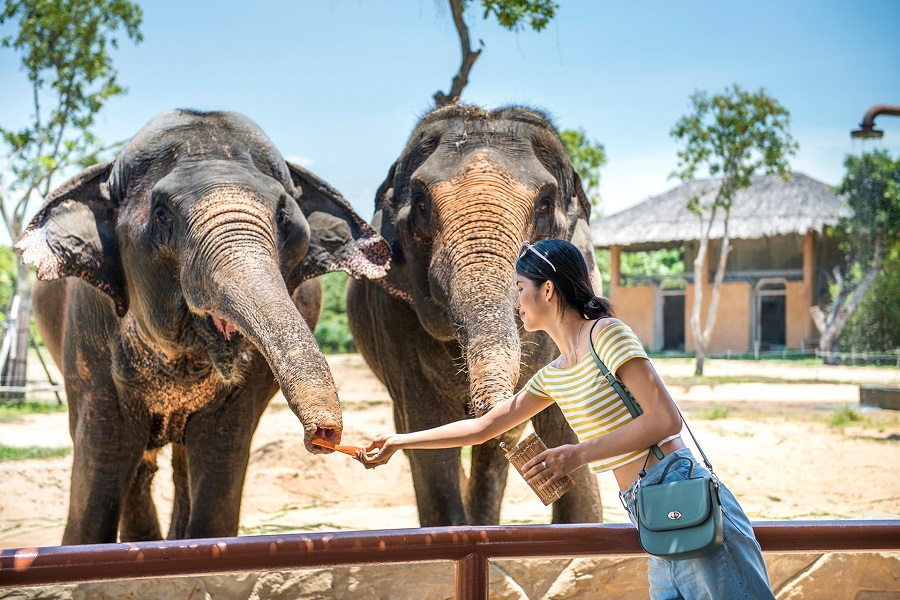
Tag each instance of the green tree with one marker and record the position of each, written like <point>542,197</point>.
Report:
<point>64,49</point>
<point>734,134</point>
<point>8,271</point>
<point>872,188</point>
<point>511,14</point>
<point>875,325</point>
<point>587,157</point>
<point>332,330</point>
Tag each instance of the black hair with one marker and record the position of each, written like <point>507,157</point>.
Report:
<point>571,276</point>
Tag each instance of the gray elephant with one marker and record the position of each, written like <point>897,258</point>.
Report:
<point>171,317</point>
<point>440,330</point>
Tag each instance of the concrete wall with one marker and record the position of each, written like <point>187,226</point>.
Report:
<point>792,576</point>
<point>732,328</point>
<point>634,306</point>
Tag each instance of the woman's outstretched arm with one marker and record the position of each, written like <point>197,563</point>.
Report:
<point>466,432</point>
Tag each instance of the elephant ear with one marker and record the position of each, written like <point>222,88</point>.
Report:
<point>581,198</point>
<point>580,231</point>
<point>383,222</point>
<point>74,235</point>
<point>339,239</point>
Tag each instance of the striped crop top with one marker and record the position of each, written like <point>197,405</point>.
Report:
<point>591,406</point>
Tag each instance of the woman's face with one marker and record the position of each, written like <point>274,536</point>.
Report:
<point>531,306</point>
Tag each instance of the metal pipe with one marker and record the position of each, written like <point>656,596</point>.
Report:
<point>471,547</point>
<point>867,127</point>
<point>472,577</point>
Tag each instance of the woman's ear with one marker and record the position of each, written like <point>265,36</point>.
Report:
<point>549,290</point>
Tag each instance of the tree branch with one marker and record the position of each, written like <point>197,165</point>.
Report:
<point>461,79</point>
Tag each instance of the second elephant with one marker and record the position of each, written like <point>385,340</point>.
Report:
<point>440,330</point>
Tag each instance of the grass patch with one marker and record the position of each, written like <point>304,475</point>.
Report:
<point>843,416</point>
<point>722,380</point>
<point>11,412</point>
<point>10,453</point>
<point>716,412</point>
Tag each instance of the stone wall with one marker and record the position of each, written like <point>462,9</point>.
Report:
<point>830,576</point>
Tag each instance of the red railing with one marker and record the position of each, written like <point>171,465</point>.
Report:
<point>471,548</point>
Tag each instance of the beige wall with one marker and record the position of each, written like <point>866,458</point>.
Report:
<point>796,313</point>
<point>732,328</point>
<point>634,306</point>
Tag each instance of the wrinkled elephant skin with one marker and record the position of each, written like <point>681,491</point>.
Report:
<point>170,282</point>
<point>440,329</point>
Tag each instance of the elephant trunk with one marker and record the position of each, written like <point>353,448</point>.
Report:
<point>234,276</point>
<point>475,258</point>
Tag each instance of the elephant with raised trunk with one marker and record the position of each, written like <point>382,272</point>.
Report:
<point>169,293</point>
<point>440,330</point>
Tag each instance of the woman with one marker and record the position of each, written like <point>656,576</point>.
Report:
<point>555,295</point>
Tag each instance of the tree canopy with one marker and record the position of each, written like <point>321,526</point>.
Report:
<point>64,47</point>
<point>587,157</point>
<point>734,135</point>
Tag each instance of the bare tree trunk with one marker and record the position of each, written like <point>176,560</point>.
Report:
<point>15,367</point>
<point>703,335</point>
<point>843,306</point>
<point>696,326</point>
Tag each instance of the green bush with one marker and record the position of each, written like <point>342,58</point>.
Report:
<point>8,274</point>
<point>333,332</point>
<point>875,324</point>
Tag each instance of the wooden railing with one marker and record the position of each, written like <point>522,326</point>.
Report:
<point>471,548</point>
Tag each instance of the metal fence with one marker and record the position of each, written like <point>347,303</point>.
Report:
<point>470,548</point>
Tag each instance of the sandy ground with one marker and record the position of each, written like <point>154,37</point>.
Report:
<point>770,443</point>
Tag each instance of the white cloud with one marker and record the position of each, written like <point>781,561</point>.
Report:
<point>303,161</point>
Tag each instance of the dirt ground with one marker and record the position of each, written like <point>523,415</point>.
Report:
<point>770,442</point>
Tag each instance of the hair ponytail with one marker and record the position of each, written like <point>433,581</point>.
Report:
<point>597,307</point>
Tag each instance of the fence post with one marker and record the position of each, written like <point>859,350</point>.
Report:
<point>472,577</point>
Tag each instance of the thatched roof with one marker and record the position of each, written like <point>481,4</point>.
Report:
<point>769,207</point>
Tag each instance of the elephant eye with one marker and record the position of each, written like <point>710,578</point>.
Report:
<point>162,215</point>
<point>418,200</point>
<point>545,204</point>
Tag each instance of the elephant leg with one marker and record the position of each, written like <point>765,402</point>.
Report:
<point>106,457</point>
<point>436,481</point>
<point>181,503</point>
<point>487,481</point>
<point>436,474</point>
<point>582,503</point>
<point>218,450</point>
<point>139,521</point>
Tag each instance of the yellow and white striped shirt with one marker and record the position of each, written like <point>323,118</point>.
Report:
<point>591,406</point>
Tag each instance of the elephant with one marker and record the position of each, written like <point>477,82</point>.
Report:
<point>169,283</point>
<point>440,329</point>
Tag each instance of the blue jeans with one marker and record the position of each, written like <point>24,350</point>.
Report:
<point>734,571</point>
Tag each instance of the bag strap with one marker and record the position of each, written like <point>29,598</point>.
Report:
<point>635,409</point>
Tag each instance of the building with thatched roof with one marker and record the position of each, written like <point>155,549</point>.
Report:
<point>777,268</point>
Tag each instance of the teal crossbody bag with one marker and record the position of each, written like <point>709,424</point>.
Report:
<point>678,519</point>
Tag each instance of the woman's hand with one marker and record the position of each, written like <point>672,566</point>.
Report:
<point>552,464</point>
<point>379,451</point>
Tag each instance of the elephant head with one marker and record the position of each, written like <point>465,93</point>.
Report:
<point>470,186</point>
<point>198,233</point>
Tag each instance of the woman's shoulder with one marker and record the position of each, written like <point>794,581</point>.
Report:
<point>607,325</point>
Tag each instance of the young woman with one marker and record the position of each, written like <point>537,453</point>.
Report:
<point>555,295</point>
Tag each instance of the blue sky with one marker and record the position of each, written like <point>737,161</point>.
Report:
<point>339,84</point>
